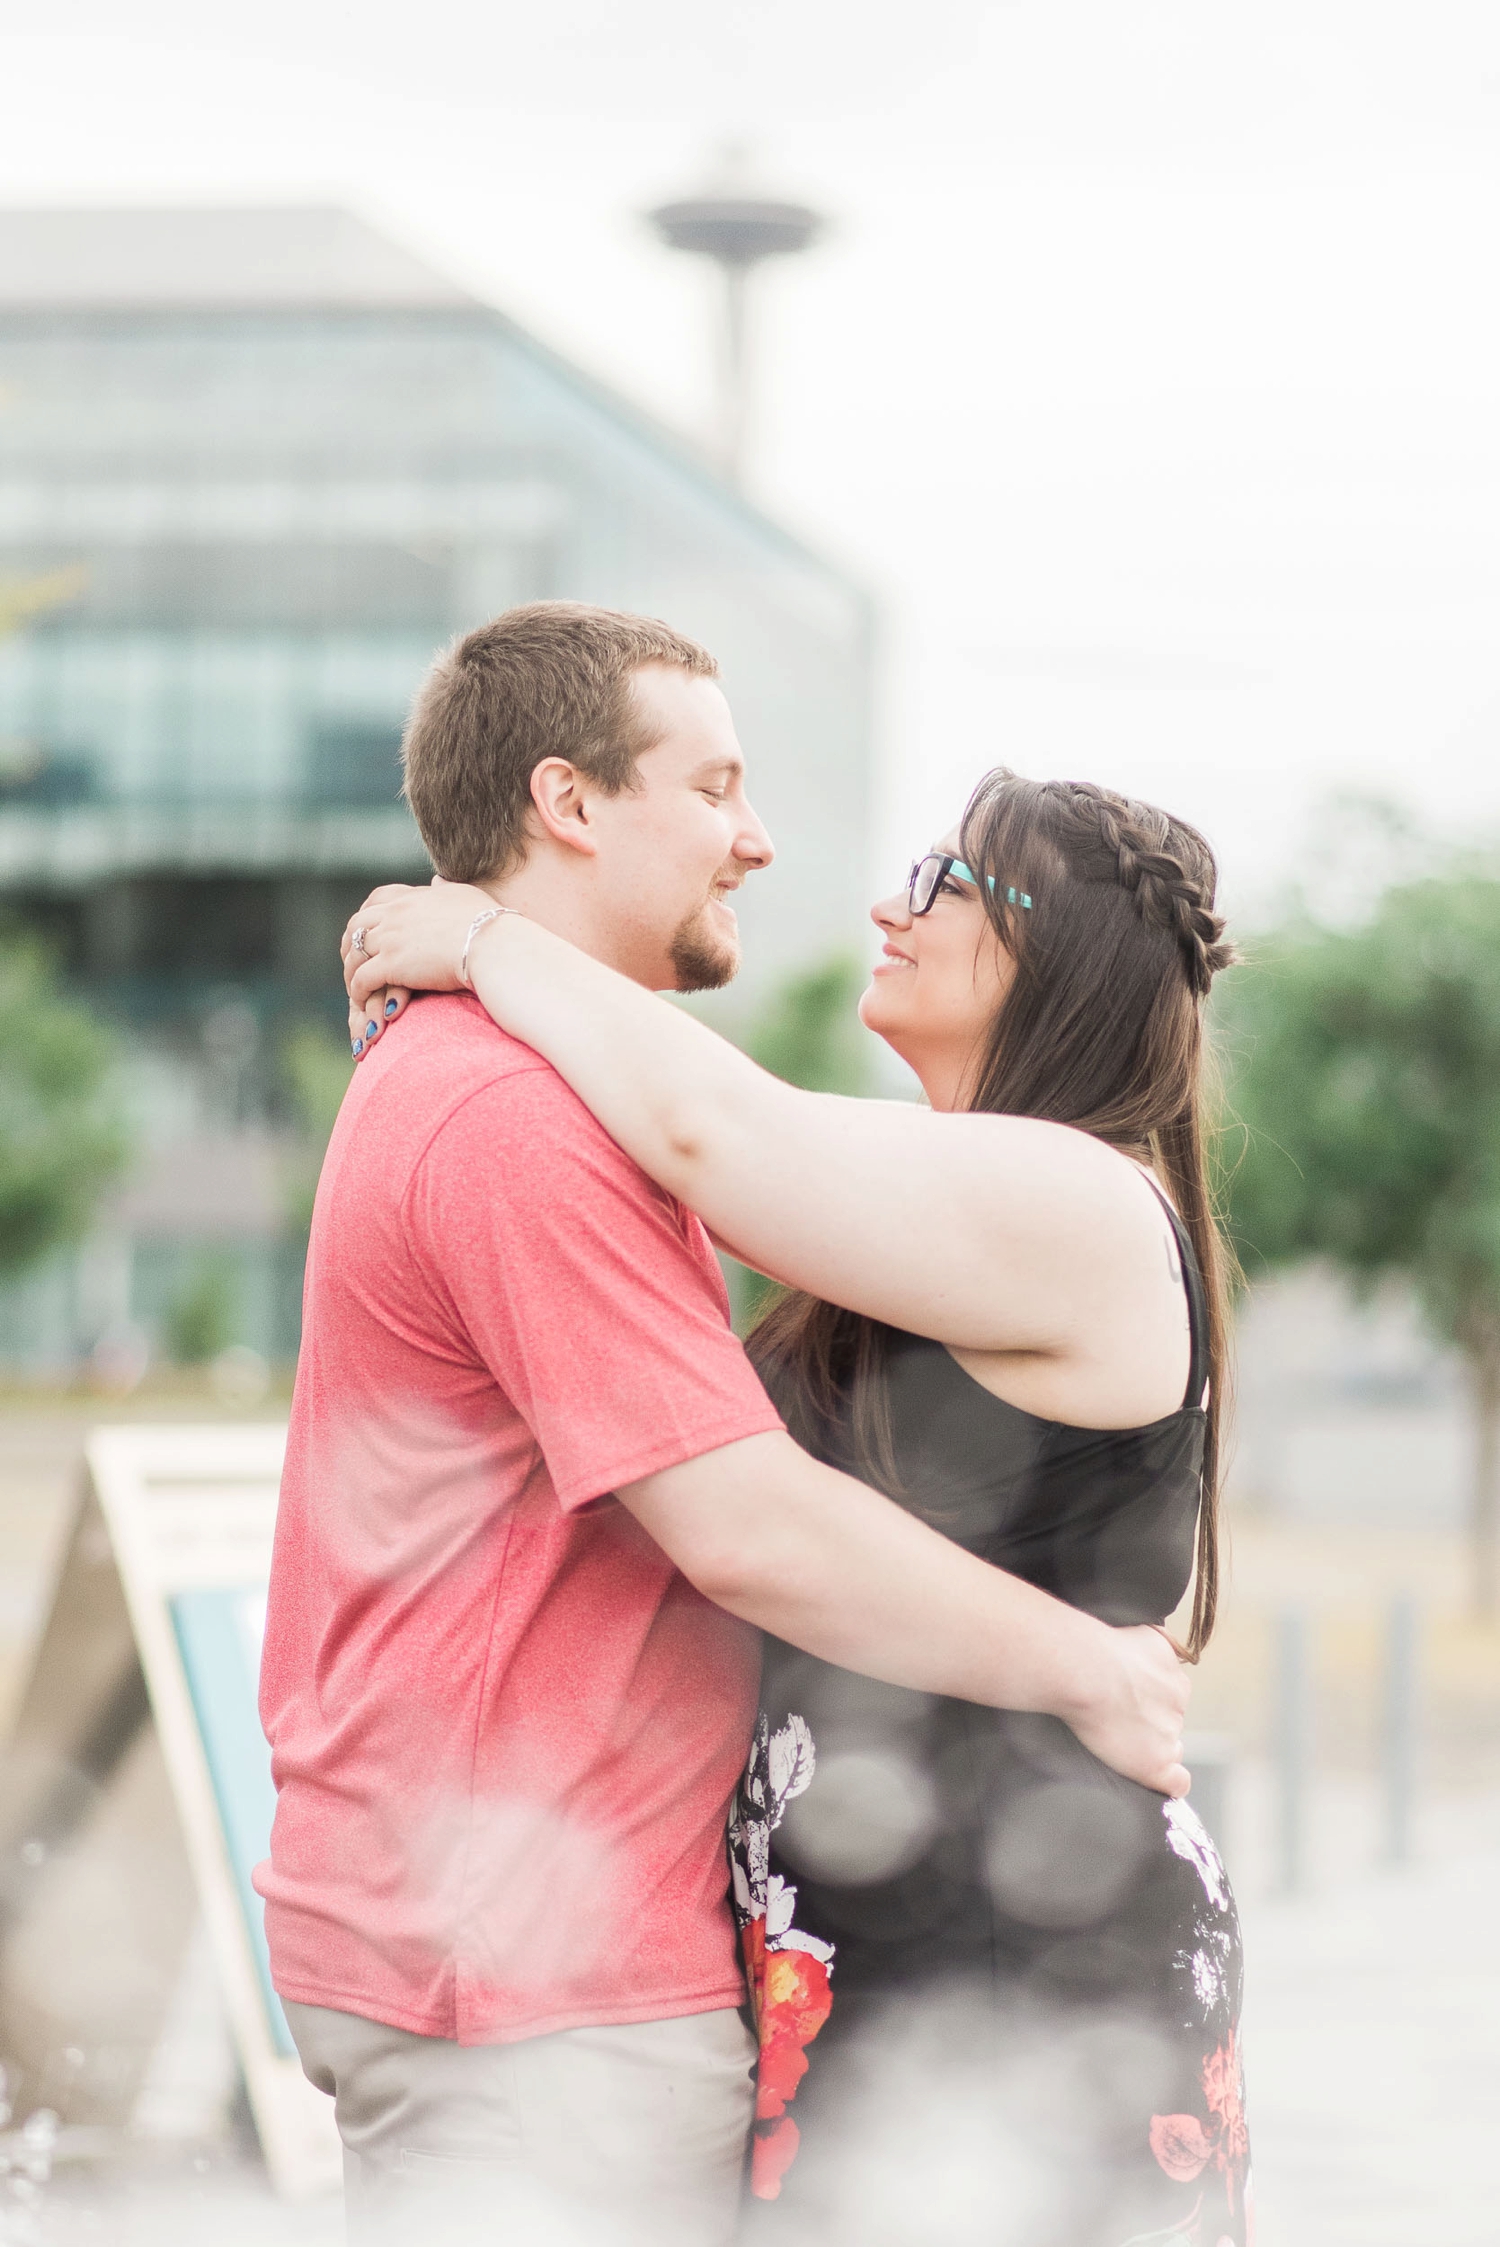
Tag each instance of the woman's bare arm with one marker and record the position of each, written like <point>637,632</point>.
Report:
<point>989,1233</point>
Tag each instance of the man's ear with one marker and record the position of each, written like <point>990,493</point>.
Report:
<point>560,798</point>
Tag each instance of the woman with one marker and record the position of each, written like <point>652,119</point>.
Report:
<point>997,1986</point>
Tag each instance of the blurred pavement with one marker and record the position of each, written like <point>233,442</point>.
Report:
<point>203,2201</point>
<point>1373,2027</point>
<point>1373,2045</point>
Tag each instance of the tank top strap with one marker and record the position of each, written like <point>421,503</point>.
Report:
<point>1197,1300</point>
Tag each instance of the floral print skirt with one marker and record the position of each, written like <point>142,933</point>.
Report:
<point>998,2004</point>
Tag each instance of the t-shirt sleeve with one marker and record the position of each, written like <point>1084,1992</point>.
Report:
<point>591,1298</point>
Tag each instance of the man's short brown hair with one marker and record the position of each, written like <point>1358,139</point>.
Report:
<point>548,680</point>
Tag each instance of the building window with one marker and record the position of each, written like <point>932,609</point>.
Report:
<point>354,764</point>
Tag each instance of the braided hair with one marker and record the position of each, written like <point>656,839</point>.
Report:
<point>1162,862</point>
<point>1101,1029</point>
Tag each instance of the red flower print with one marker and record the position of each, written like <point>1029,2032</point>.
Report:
<point>1179,2145</point>
<point>791,1998</point>
<point>786,1969</point>
<point>783,2064</point>
<point>1184,2146</point>
<point>753,1952</point>
<point>1224,2089</point>
<point>773,2150</point>
<point>797,1998</point>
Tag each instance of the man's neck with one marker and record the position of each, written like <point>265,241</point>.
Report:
<point>555,901</point>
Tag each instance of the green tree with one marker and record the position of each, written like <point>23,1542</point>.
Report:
<point>316,1066</point>
<point>63,1132</point>
<point>1364,1065</point>
<point>809,1034</point>
<point>201,1316</point>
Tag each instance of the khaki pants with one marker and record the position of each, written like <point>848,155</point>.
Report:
<point>592,2137</point>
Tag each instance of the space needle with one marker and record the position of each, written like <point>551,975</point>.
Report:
<point>731,221</point>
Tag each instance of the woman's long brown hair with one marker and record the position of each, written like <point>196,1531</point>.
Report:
<point>1101,1029</point>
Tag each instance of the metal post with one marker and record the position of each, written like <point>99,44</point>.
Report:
<point>1400,1741</point>
<point>1293,1743</point>
<point>734,388</point>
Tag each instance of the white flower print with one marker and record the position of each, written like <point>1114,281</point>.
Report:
<point>790,1760</point>
<point>1187,1837</point>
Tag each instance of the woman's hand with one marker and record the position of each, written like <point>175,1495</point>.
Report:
<point>1130,1710</point>
<point>409,940</point>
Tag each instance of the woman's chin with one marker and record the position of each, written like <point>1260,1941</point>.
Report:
<point>880,1010</point>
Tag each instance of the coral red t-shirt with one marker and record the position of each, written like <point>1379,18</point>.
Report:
<point>504,1728</point>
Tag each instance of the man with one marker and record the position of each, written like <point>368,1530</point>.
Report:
<point>534,1501</point>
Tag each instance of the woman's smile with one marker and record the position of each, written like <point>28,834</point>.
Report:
<point>893,961</point>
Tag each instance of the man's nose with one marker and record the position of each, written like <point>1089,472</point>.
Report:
<point>752,845</point>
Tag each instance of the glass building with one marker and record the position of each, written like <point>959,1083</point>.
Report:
<point>255,467</point>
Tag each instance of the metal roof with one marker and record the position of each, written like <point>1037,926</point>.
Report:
<point>194,258</point>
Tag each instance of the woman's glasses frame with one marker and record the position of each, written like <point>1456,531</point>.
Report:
<point>925,881</point>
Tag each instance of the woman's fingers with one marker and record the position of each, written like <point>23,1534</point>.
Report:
<point>368,984</point>
<point>410,939</point>
<point>362,921</point>
<point>403,939</point>
<point>372,1015</point>
<point>365,949</point>
<point>354,945</point>
<point>1137,1726</point>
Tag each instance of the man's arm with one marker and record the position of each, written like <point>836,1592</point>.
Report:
<point>835,1568</point>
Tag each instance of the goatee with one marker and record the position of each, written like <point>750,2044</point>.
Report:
<point>701,960</point>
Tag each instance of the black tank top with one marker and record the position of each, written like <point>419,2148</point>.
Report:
<point>1102,1518</point>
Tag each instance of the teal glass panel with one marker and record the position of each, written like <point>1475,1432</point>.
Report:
<point>219,1634</point>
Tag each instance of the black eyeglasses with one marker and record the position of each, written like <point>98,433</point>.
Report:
<point>929,874</point>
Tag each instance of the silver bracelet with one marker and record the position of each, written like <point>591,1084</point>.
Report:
<point>475,926</point>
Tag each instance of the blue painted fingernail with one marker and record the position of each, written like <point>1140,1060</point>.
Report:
<point>357,1048</point>
<point>372,1029</point>
<point>390,1008</point>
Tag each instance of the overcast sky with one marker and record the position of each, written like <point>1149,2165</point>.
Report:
<point>1150,371</point>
